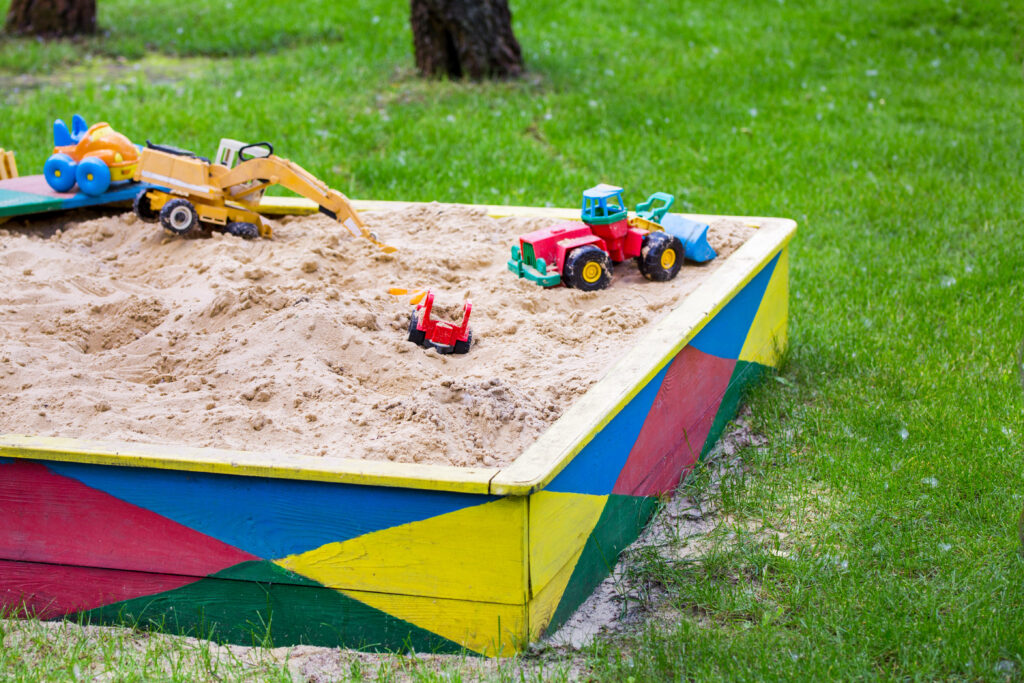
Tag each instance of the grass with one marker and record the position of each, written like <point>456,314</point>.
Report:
<point>874,534</point>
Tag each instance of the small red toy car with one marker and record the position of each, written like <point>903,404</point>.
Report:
<point>444,336</point>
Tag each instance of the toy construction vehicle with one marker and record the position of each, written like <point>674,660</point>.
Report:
<point>93,157</point>
<point>444,336</point>
<point>580,255</point>
<point>227,192</point>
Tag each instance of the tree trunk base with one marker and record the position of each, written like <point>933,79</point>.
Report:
<point>51,18</point>
<point>465,38</point>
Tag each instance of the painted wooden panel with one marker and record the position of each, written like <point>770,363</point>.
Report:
<point>269,518</point>
<point>246,612</point>
<point>48,591</point>
<point>560,524</point>
<point>50,518</point>
<point>476,553</point>
<point>677,424</point>
<point>493,629</point>
<point>30,194</point>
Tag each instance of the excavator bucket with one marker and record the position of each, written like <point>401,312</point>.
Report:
<point>693,235</point>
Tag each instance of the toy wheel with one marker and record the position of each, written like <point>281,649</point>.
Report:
<point>441,348</point>
<point>144,207</point>
<point>93,176</point>
<point>463,346</point>
<point>587,268</point>
<point>179,216</point>
<point>247,231</point>
<point>661,256</point>
<point>416,336</point>
<point>59,171</point>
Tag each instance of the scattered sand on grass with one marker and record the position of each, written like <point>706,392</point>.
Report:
<point>112,329</point>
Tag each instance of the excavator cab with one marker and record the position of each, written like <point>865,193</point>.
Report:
<point>230,152</point>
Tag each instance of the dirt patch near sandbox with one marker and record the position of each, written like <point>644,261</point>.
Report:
<point>111,329</point>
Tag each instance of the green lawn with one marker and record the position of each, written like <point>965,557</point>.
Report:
<point>874,535</point>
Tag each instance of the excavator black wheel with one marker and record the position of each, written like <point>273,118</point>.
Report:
<point>660,256</point>
<point>416,336</point>
<point>179,216</point>
<point>242,229</point>
<point>144,208</point>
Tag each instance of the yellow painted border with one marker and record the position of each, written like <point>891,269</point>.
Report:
<point>248,463</point>
<point>538,464</point>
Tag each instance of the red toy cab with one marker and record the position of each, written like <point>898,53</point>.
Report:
<point>444,336</point>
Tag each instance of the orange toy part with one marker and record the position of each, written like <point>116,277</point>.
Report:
<point>105,143</point>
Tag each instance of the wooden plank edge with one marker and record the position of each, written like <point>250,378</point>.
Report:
<point>562,441</point>
<point>474,480</point>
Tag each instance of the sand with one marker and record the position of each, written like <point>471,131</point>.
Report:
<point>112,329</point>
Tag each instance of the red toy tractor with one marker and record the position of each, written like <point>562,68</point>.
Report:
<point>580,255</point>
<point>444,336</point>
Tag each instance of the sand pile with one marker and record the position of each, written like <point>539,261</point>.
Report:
<point>111,329</point>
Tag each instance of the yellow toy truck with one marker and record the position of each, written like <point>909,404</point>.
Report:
<point>226,192</point>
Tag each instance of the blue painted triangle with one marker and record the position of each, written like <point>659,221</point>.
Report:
<point>596,468</point>
<point>270,518</point>
<point>724,335</point>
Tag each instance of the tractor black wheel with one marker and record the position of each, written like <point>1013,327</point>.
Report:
<point>416,336</point>
<point>660,257</point>
<point>144,207</point>
<point>587,268</point>
<point>247,231</point>
<point>440,348</point>
<point>463,346</point>
<point>179,216</point>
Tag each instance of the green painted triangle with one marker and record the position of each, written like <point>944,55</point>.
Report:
<point>622,520</point>
<point>261,612</point>
<point>744,376</point>
<point>264,572</point>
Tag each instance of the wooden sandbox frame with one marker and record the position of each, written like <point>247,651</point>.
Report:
<point>238,546</point>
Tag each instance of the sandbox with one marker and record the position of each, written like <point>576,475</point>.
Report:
<point>231,439</point>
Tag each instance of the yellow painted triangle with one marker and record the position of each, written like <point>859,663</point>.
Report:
<point>476,553</point>
<point>545,601</point>
<point>488,628</point>
<point>767,336</point>
<point>560,524</point>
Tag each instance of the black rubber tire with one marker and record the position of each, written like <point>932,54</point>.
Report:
<point>143,208</point>
<point>661,256</point>
<point>579,270</point>
<point>463,346</point>
<point>418,337</point>
<point>247,231</point>
<point>179,216</point>
<point>441,348</point>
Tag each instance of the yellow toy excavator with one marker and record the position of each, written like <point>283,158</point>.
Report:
<point>227,192</point>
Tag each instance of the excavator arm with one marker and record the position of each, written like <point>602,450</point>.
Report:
<point>245,184</point>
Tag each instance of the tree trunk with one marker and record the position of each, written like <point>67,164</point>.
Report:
<point>51,17</point>
<point>465,38</point>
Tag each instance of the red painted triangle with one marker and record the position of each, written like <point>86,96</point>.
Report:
<point>47,518</point>
<point>47,591</point>
<point>677,424</point>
